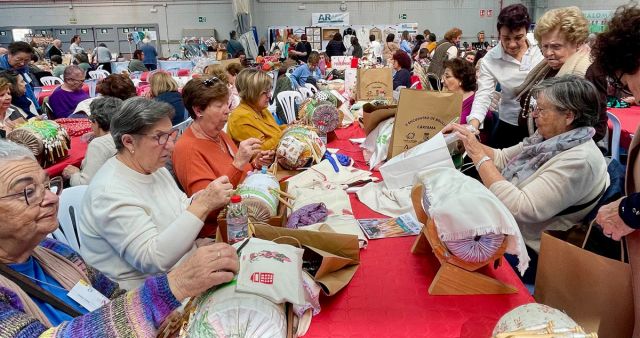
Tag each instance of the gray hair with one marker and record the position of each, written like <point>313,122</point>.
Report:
<point>102,109</point>
<point>11,151</point>
<point>571,93</point>
<point>71,69</point>
<point>136,116</point>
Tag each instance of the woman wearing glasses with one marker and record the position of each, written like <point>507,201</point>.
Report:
<point>552,179</point>
<point>29,204</point>
<point>134,220</point>
<point>252,119</point>
<point>205,152</point>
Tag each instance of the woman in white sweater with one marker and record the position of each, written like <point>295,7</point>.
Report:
<point>134,220</point>
<point>102,147</point>
<point>552,179</point>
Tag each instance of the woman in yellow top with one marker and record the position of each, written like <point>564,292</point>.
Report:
<point>252,118</point>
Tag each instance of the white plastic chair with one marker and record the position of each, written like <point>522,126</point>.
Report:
<point>58,236</point>
<point>182,126</point>
<point>92,83</point>
<point>100,67</point>
<point>287,100</point>
<point>98,74</point>
<point>415,84</point>
<point>306,92</point>
<point>68,212</point>
<point>615,136</point>
<point>50,80</point>
<point>313,88</point>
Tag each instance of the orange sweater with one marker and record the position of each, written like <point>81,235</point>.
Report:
<point>197,162</point>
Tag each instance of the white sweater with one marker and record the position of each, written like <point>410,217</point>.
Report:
<point>573,177</point>
<point>133,225</point>
<point>100,149</point>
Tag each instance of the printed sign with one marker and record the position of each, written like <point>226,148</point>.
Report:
<point>330,19</point>
<point>598,20</point>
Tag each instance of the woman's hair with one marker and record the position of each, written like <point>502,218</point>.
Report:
<point>102,109</point>
<point>514,17</point>
<point>423,53</point>
<point>19,47</point>
<point>198,94</point>
<point>391,37</point>
<point>432,37</point>
<point>82,58</point>
<point>216,71</point>
<point>234,69</point>
<point>405,35</point>
<point>117,85</point>
<point>314,57</point>
<point>303,37</point>
<point>337,37</point>
<point>479,55</point>
<point>251,83</point>
<point>618,48</point>
<point>102,44</point>
<point>9,78</point>
<point>572,23</point>
<point>75,38</point>
<point>403,59</point>
<point>354,41</point>
<point>463,71</point>
<point>10,151</point>
<point>5,83</point>
<point>137,54</point>
<point>452,34</point>
<point>571,93</point>
<point>162,82</point>
<point>57,59</point>
<point>136,116</point>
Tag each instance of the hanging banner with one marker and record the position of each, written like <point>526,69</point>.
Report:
<point>330,19</point>
<point>598,20</point>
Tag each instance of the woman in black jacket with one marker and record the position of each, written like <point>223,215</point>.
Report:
<point>402,66</point>
<point>335,47</point>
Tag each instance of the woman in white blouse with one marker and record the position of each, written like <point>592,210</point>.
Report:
<point>75,46</point>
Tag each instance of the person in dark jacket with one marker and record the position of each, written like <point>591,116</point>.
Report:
<point>303,48</point>
<point>165,89</point>
<point>402,66</point>
<point>335,47</point>
<point>357,49</point>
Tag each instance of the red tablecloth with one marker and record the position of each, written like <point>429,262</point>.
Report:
<point>388,296</point>
<point>76,155</point>
<point>48,90</point>
<point>629,121</point>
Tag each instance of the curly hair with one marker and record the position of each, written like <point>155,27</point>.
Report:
<point>117,85</point>
<point>618,48</point>
<point>572,23</point>
<point>452,34</point>
<point>514,17</point>
<point>464,71</point>
<point>403,59</point>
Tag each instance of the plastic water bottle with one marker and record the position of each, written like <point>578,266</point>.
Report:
<point>237,220</point>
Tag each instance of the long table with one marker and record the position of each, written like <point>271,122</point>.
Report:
<point>76,155</point>
<point>388,296</point>
<point>629,121</point>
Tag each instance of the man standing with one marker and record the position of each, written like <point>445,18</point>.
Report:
<point>18,59</point>
<point>233,46</point>
<point>65,98</point>
<point>55,49</point>
<point>376,48</point>
<point>150,54</point>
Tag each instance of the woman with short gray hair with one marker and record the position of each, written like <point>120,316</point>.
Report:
<point>551,180</point>
<point>102,147</point>
<point>134,219</point>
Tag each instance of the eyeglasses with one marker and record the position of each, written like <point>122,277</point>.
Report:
<point>73,80</point>
<point>163,138</point>
<point>210,81</point>
<point>34,193</point>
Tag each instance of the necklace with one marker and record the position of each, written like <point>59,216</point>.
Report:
<point>217,140</point>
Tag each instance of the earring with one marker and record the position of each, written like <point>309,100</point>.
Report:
<point>132,151</point>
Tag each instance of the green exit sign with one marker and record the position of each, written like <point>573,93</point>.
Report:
<point>402,16</point>
<point>202,19</point>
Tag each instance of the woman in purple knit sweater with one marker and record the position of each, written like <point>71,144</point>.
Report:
<point>29,205</point>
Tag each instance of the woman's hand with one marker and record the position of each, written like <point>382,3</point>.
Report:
<point>209,266</point>
<point>471,144</point>
<point>247,150</point>
<point>612,225</point>
<point>69,170</point>
<point>215,196</point>
<point>264,158</point>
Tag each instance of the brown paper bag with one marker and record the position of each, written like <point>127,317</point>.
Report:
<point>421,114</point>
<point>374,83</point>
<point>593,290</point>
<point>340,254</point>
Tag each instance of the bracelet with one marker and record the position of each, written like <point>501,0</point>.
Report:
<point>485,158</point>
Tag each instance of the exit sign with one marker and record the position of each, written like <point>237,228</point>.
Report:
<point>202,19</point>
<point>402,16</point>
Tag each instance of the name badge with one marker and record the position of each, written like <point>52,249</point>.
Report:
<point>85,295</point>
<point>26,78</point>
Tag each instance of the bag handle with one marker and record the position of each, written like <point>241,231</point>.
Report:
<point>623,241</point>
<point>289,237</point>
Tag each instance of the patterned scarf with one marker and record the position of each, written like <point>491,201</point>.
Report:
<point>537,151</point>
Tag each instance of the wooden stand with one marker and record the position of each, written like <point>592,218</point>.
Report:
<point>455,276</point>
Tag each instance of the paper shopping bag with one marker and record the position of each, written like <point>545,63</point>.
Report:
<point>338,254</point>
<point>421,115</point>
<point>374,83</point>
<point>593,290</point>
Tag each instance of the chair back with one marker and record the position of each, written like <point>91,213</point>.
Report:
<point>306,92</point>
<point>614,146</point>
<point>182,126</point>
<point>50,80</point>
<point>98,74</point>
<point>287,100</point>
<point>313,88</point>
<point>69,209</point>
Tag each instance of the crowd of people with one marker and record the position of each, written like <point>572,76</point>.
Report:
<point>533,110</point>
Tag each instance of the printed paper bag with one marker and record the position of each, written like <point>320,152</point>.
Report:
<point>375,83</point>
<point>339,254</point>
<point>593,290</point>
<point>421,115</point>
<point>341,62</point>
<point>350,83</point>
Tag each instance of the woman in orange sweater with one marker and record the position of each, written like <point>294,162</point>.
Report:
<point>204,152</point>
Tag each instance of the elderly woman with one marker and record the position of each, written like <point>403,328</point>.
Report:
<point>561,34</point>
<point>554,178</point>
<point>446,49</point>
<point>205,152</point>
<point>252,119</point>
<point>18,91</point>
<point>101,148</point>
<point>402,67</point>
<point>29,204</point>
<point>308,72</point>
<point>10,116</point>
<point>134,220</point>
<point>165,89</point>
<point>460,77</point>
<point>117,85</point>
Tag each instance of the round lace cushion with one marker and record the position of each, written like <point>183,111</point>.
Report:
<point>325,118</point>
